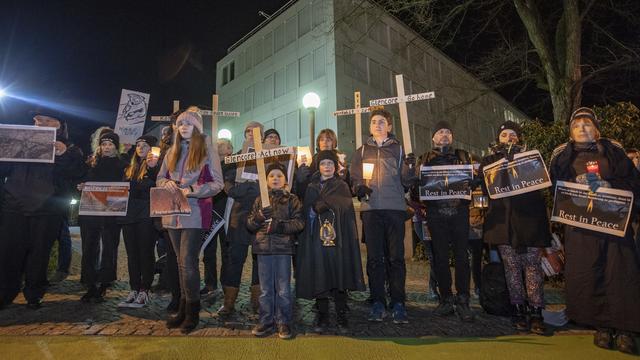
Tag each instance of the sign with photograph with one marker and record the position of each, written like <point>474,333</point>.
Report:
<point>22,143</point>
<point>446,182</point>
<point>524,174</point>
<point>132,113</point>
<point>606,211</point>
<point>104,199</point>
<point>167,202</point>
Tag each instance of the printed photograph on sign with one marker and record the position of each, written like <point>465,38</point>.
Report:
<point>527,172</point>
<point>132,113</point>
<point>21,143</point>
<point>606,211</point>
<point>104,199</point>
<point>445,182</point>
<point>167,202</point>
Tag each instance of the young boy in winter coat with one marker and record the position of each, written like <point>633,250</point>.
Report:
<point>275,227</point>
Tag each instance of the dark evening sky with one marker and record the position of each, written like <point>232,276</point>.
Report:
<point>79,54</point>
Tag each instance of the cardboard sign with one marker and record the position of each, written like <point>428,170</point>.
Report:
<point>22,143</point>
<point>248,171</point>
<point>166,202</point>
<point>524,174</point>
<point>265,153</point>
<point>104,199</point>
<point>446,182</point>
<point>606,211</point>
<point>132,113</point>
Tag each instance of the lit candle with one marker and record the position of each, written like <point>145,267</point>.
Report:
<point>155,151</point>
<point>367,171</point>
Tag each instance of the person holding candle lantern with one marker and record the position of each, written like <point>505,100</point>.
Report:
<point>602,272</point>
<point>383,210</point>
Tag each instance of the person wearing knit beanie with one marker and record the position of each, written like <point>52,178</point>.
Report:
<point>191,117</point>
<point>442,136</point>
<point>328,155</point>
<point>277,166</point>
<point>585,113</point>
<point>272,136</point>
<point>510,126</point>
<point>149,139</point>
<point>441,125</point>
<point>110,137</point>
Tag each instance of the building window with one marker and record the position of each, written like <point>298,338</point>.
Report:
<point>267,46</point>
<point>318,12</point>
<point>268,88</point>
<point>398,43</point>
<point>291,27</point>
<point>232,71</point>
<point>279,83</point>
<point>306,69</point>
<point>319,62</point>
<point>228,73</point>
<point>292,76</point>
<point>225,75</point>
<point>304,21</point>
<point>278,36</point>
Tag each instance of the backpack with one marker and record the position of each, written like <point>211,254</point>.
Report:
<point>494,294</point>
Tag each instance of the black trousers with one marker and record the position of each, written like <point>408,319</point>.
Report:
<point>100,240</point>
<point>234,256</point>
<point>384,233</point>
<point>450,231</point>
<point>170,271</point>
<point>140,241</point>
<point>475,249</point>
<point>339,298</point>
<point>25,246</point>
<point>209,259</point>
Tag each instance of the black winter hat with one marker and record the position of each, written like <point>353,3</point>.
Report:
<point>328,155</point>
<point>111,137</point>
<point>269,132</point>
<point>510,125</point>
<point>277,166</point>
<point>585,112</point>
<point>441,125</point>
<point>149,139</point>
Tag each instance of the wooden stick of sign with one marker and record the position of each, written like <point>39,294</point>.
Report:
<point>357,111</point>
<point>262,176</point>
<point>402,101</point>
<point>176,107</point>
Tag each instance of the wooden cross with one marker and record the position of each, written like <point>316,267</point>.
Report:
<point>176,107</point>
<point>402,101</point>
<point>357,111</point>
<point>215,113</point>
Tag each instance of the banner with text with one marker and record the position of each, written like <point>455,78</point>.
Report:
<point>606,211</point>
<point>445,182</point>
<point>167,202</point>
<point>104,199</point>
<point>524,174</point>
<point>265,153</point>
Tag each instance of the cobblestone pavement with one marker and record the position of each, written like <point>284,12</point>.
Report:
<point>64,314</point>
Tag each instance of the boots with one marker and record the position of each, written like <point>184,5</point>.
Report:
<point>172,307</point>
<point>536,321</point>
<point>255,298</point>
<point>230,296</point>
<point>445,307</point>
<point>192,317</point>
<point>519,318</point>
<point>177,319</point>
<point>321,322</point>
<point>462,308</point>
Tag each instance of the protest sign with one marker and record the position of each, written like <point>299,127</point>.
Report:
<point>168,202</point>
<point>606,211</point>
<point>445,182</point>
<point>132,113</point>
<point>525,173</point>
<point>27,143</point>
<point>104,199</point>
<point>217,221</point>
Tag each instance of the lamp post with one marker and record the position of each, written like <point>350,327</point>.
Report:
<point>311,101</point>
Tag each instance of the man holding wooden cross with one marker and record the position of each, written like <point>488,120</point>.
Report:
<point>384,212</point>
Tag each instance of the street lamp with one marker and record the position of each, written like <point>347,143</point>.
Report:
<point>224,134</point>
<point>311,101</point>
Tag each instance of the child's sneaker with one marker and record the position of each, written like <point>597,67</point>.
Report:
<point>141,300</point>
<point>284,331</point>
<point>129,300</point>
<point>262,330</point>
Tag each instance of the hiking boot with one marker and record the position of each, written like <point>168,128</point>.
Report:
<point>141,300</point>
<point>603,338</point>
<point>284,331</point>
<point>34,304</point>
<point>321,323</point>
<point>399,314</point>
<point>91,292</point>
<point>230,296</point>
<point>519,318</point>
<point>176,320</point>
<point>537,321</point>
<point>377,312</point>
<point>625,343</point>
<point>262,330</point>
<point>192,317</point>
<point>129,300</point>
<point>462,308</point>
<point>445,307</point>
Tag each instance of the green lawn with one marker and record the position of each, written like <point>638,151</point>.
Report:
<point>101,347</point>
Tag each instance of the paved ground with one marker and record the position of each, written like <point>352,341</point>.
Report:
<point>64,314</point>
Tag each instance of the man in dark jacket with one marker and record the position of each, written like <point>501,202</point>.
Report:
<point>448,222</point>
<point>384,213</point>
<point>36,197</point>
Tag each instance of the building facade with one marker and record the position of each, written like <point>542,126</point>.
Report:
<point>336,47</point>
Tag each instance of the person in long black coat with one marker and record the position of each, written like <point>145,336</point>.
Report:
<point>328,271</point>
<point>602,271</point>
<point>518,225</point>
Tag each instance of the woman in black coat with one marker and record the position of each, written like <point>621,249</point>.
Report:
<point>602,271</point>
<point>328,271</point>
<point>518,225</point>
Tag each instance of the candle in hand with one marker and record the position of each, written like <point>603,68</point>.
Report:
<point>367,171</point>
<point>155,151</point>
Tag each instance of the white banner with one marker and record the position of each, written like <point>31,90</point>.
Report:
<point>406,98</point>
<point>265,153</point>
<point>132,113</point>
<point>104,199</point>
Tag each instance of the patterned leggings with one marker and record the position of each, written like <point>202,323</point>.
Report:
<point>528,263</point>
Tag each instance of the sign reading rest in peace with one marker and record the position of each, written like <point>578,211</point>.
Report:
<point>524,174</point>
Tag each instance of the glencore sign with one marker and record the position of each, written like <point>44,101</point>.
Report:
<point>259,155</point>
<point>406,98</point>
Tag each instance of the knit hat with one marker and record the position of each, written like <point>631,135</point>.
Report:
<point>149,139</point>
<point>253,124</point>
<point>277,166</point>
<point>441,125</point>
<point>271,131</point>
<point>585,112</point>
<point>193,118</point>
<point>510,125</point>
<point>328,155</point>
<point>110,137</point>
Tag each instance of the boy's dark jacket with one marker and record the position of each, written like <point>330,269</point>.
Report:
<point>287,222</point>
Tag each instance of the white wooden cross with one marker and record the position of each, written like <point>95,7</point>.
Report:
<point>402,101</point>
<point>176,107</point>
<point>357,111</point>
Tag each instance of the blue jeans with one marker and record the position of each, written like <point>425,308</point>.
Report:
<point>64,247</point>
<point>274,272</point>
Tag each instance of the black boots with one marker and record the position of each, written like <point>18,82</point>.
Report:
<point>172,307</point>
<point>177,319</point>
<point>625,343</point>
<point>321,322</point>
<point>610,339</point>
<point>519,318</point>
<point>192,317</point>
<point>445,307</point>
<point>536,321</point>
<point>462,308</point>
